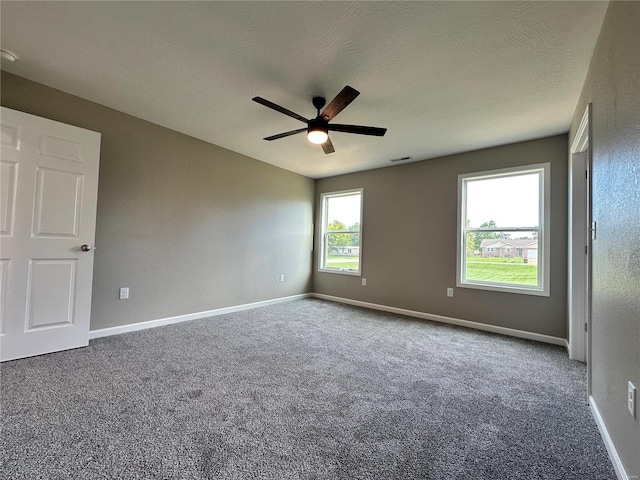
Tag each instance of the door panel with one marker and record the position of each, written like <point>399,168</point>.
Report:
<point>57,203</point>
<point>8,176</point>
<point>4,274</point>
<point>50,293</point>
<point>49,183</point>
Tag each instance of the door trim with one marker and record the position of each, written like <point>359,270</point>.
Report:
<point>579,259</point>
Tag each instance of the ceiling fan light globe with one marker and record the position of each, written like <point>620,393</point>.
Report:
<point>317,136</point>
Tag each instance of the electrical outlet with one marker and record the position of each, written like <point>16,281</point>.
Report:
<point>449,292</point>
<point>124,293</point>
<point>282,278</point>
<point>364,282</point>
<point>631,399</point>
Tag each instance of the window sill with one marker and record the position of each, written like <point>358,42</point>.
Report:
<point>504,289</point>
<point>345,271</point>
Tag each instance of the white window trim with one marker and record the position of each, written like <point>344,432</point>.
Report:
<point>323,232</point>
<point>544,257</point>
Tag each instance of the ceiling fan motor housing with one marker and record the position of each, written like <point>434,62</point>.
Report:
<point>316,124</point>
<point>318,102</point>
<point>318,131</point>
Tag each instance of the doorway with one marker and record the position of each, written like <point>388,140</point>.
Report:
<point>581,231</point>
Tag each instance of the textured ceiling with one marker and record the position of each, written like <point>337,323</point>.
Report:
<point>443,77</point>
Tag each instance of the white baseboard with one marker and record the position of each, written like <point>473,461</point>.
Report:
<point>450,320</point>
<point>105,332</point>
<point>611,449</point>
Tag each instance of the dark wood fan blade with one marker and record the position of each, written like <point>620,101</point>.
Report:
<point>285,134</point>
<point>359,129</point>
<point>328,147</point>
<point>280,109</point>
<point>344,98</point>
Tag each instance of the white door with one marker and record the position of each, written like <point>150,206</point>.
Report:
<point>48,196</point>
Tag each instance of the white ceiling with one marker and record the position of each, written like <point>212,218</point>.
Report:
<point>443,77</point>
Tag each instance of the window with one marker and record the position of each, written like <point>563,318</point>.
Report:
<point>509,210</point>
<point>341,227</point>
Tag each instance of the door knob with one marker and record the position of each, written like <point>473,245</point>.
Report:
<point>85,248</point>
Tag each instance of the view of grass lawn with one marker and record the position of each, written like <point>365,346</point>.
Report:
<point>342,261</point>
<point>502,272</point>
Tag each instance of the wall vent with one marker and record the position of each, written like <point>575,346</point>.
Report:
<point>402,159</point>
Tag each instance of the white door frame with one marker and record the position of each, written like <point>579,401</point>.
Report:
<point>579,255</point>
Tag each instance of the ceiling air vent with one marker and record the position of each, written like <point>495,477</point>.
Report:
<point>393,160</point>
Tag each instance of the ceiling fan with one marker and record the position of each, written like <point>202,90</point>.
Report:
<point>318,128</point>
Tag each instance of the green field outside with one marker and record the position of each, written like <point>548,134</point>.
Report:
<point>520,274</point>
<point>502,270</point>
<point>341,261</point>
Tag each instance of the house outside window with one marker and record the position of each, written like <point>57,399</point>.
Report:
<point>503,230</point>
<point>341,232</point>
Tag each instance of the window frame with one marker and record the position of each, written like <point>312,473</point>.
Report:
<point>543,229</point>
<point>324,244</point>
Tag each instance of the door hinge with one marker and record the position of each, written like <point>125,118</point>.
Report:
<point>586,249</point>
<point>586,329</point>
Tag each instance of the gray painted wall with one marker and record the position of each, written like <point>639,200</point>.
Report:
<point>613,86</point>
<point>186,225</point>
<point>409,239</point>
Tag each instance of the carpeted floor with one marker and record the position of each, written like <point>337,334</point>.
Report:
<point>301,390</point>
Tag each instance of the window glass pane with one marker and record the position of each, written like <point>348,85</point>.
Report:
<point>502,257</point>
<point>509,201</point>
<point>343,212</point>
<point>493,254</point>
<point>343,251</point>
